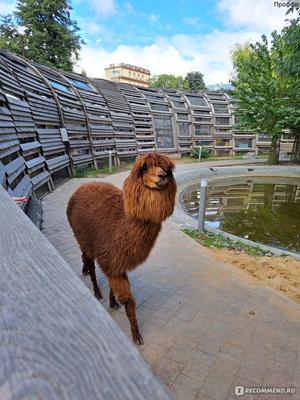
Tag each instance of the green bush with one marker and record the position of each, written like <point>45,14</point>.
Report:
<point>205,153</point>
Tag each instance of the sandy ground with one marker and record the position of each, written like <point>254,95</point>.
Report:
<point>281,273</point>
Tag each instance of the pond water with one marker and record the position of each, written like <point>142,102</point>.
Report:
<point>265,210</point>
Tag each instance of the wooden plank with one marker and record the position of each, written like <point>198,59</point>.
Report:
<point>2,173</point>
<point>60,342</point>
<point>40,179</point>
<point>30,146</point>
<point>35,162</point>
<point>23,188</point>
<point>14,165</point>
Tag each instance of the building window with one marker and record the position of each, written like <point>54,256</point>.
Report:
<point>204,143</point>
<point>182,116</point>
<point>81,85</point>
<point>183,129</point>
<point>179,104</point>
<point>163,131</point>
<point>243,143</point>
<point>222,142</point>
<point>202,130</point>
<point>115,73</point>
<point>159,107</point>
<point>197,101</point>
<point>220,108</point>
<point>59,86</point>
<point>222,121</point>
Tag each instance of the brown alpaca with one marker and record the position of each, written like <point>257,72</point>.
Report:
<point>119,228</point>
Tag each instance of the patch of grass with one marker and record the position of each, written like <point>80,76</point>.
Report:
<point>89,172</point>
<point>221,242</point>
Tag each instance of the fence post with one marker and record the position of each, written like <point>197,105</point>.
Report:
<point>202,204</point>
<point>110,161</point>
<point>200,153</point>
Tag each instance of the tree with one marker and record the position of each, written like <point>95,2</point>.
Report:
<point>195,80</point>
<point>169,81</point>
<point>286,54</point>
<point>266,84</point>
<point>256,88</point>
<point>50,35</point>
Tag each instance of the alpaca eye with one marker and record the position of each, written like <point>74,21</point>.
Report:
<point>144,167</point>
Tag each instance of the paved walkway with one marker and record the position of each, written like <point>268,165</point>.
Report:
<point>207,327</point>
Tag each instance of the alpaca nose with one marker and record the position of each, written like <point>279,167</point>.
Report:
<point>162,174</point>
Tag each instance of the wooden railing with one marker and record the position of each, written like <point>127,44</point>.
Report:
<point>56,340</point>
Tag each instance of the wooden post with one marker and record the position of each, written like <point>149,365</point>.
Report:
<point>202,205</point>
<point>200,153</point>
<point>110,161</point>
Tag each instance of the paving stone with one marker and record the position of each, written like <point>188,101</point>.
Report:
<point>225,368</point>
<point>214,388</point>
<point>153,353</point>
<point>198,365</point>
<point>168,370</point>
<point>185,388</point>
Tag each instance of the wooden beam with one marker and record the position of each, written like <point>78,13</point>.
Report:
<point>57,341</point>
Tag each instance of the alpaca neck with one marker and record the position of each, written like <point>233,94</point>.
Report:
<point>140,234</point>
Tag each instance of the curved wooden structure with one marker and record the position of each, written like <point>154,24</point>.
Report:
<point>52,122</point>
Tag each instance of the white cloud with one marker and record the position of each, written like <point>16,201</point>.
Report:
<point>129,8</point>
<point>258,15</point>
<point>178,55</point>
<point>104,8</point>
<point>153,18</point>
<point>192,21</point>
<point>7,7</point>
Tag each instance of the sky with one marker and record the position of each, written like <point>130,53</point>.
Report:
<point>169,36</point>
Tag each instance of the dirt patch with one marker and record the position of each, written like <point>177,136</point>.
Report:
<point>281,273</point>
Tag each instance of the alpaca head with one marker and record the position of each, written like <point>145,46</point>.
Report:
<point>150,189</point>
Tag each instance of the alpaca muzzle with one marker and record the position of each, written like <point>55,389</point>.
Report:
<point>163,179</point>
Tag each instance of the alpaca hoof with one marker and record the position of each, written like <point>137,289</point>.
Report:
<point>114,304</point>
<point>98,294</point>
<point>85,271</point>
<point>137,338</point>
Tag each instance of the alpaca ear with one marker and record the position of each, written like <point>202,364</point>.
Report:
<point>170,172</point>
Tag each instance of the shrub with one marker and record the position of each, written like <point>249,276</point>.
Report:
<point>205,153</point>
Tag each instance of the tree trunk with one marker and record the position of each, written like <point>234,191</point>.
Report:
<point>273,157</point>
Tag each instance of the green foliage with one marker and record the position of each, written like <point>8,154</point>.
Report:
<point>50,35</point>
<point>195,81</point>
<point>169,81</point>
<point>286,56</point>
<point>266,84</point>
<point>9,38</point>
<point>205,153</point>
<point>192,81</point>
<point>221,242</point>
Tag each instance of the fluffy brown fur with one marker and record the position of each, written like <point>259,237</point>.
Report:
<point>119,228</point>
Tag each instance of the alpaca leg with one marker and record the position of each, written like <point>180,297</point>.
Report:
<point>85,268</point>
<point>89,265</point>
<point>121,287</point>
<point>112,300</point>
